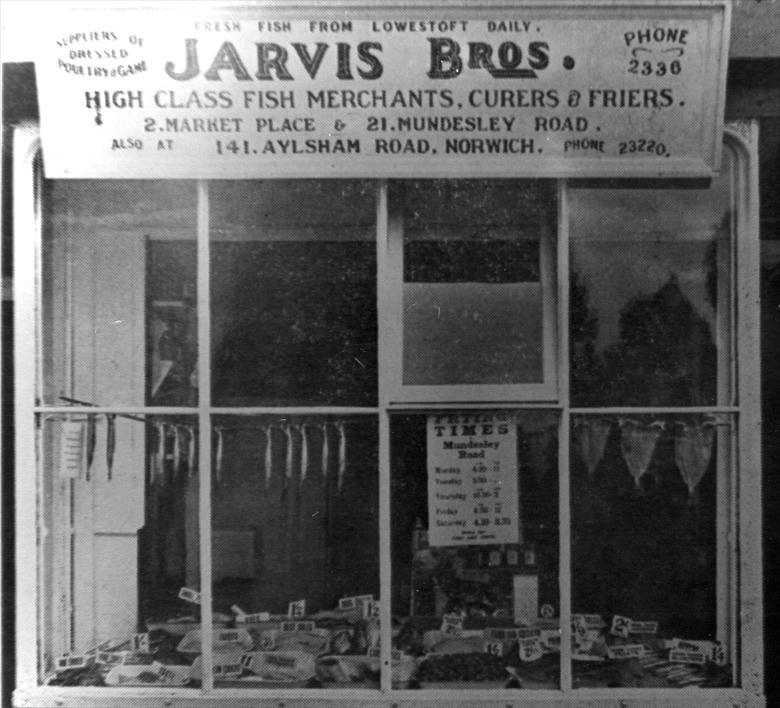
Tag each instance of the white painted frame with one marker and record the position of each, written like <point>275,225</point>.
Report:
<point>743,138</point>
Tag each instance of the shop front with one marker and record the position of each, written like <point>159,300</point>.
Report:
<point>401,355</point>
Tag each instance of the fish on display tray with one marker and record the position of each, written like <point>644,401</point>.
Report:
<point>181,625</point>
<point>220,639</point>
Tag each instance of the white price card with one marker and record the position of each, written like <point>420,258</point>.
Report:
<point>452,624</point>
<point>620,626</point>
<point>73,458</point>
<point>189,595</point>
<point>472,479</point>
<point>530,649</point>
<point>296,609</point>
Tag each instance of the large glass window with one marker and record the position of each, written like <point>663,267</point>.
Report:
<point>321,434</point>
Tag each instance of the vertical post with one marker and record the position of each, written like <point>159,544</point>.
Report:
<point>385,569</point>
<point>204,428</point>
<point>564,505</point>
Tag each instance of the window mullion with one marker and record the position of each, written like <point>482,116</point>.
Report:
<point>204,425</point>
<point>564,505</point>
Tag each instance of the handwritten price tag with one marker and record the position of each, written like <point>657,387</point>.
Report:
<point>297,626</point>
<point>529,649</point>
<point>626,651</point>
<point>371,610</point>
<point>296,609</point>
<point>75,661</point>
<point>620,626</point>
<point>643,627</point>
<point>452,624</point>
<point>189,595</point>
<point>140,643</point>
<point>255,618</point>
<point>687,656</point>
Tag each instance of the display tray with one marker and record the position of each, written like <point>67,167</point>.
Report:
<point>258,682</point>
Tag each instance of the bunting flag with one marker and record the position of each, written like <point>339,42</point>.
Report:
<point>692,452</point>
<point>591,437</point>
<point>637,443</point>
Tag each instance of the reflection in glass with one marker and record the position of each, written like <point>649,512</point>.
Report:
<point>650,294</point>
<point>122,542</point>
<point>293,292</point>
<point>472,293</point>
<point>295,549</point>
<point>483,613</point>
<point>100,334</point>
<point>650,564</point>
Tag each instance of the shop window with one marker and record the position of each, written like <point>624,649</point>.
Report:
<point>333,419</point>
<point>651,295</point>
<point>473,261</point>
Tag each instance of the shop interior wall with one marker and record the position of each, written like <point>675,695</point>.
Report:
<point>753,93</point>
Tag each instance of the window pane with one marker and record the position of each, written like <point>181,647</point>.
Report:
<point>118,307</point>
<point>472,281</point>
<point>295,550</point>
<point>475,549</point>
<point>293,292</point>
<point>650,306</point>
<point>653,575</point>
<point>120,506</point>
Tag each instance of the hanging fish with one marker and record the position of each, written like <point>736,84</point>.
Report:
<point>304,451</point>
<point>288,461</point>
<point>91,440</point>
<point>191,452</point>
<point>637,443</point>
<point>268,461</point>
<point>591,436</point>
<point>692,452</point>
<point>325,451</point>
<point>110,442</point>
<point>161,433</point>
<point>176,450</point>
<point>342,453</point>
<point>218,464</point>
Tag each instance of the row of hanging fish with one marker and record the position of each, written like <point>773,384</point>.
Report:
<point>692,445</point>
<point>172,439</point>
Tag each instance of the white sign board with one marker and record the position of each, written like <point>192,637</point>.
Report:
<point>541,89</point>
<point>472,479</point>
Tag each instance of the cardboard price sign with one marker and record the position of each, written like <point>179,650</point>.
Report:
<point>254,618</point>
<point>352,603</point>
<point>189,595</point>
<point>620,626</point>
<point>140,643</point>
<point>307,626</point>
<point>530,649</point>
<point>371,610</point>
<point>643,627</point>
<point>626,651</point>
<point>687,656</point>
<point>452,624</point>
<point>296,609</point>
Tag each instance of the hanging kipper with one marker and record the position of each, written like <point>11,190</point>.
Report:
<point>91,438</point>
<point>160,461</point>
<point>218,463</point>
<point>110,442</point>
<point>591,436</point>
<point>288,459</point>
<point>268,454</point>
<point>191,451</point>
<point>342,453</point>
<point>637,443</point>
<point>325,451</point>
<point>304,451</point>
<point>176,450</point>
<point>692,452</point>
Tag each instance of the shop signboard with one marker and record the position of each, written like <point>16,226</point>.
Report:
<point>537,89</point>
<point>472,479</point>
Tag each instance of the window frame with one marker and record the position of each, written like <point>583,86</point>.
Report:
<point>742,137</point>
